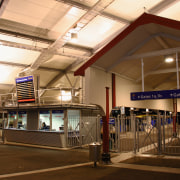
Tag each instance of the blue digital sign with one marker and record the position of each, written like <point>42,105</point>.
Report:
<point>24,79</point>
<point>149,95</point>
<point>111,121</point>
<point>25,89</point>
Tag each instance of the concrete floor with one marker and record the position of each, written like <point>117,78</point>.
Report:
<point>23,163</point>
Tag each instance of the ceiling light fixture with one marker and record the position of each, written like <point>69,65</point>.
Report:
<point>169,59</point>
<point>74,37</point>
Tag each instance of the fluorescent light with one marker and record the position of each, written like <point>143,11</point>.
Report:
<point>169,59</point>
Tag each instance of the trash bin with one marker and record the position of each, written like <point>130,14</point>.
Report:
<point>95,152</point>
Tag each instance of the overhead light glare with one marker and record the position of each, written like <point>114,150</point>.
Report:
<point>74,37</point>
<point>65,96</point>
<point>169,59</point>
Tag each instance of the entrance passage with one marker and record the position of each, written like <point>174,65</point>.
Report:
<point>149,132</point>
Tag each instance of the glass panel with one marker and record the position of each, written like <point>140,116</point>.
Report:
<point>1,120</point>
<point>73,120</point>
<point>44,120</point>
<point>73,127</point>
<point>22,120</point>
<point>58,120</point>
<point>12,120</point>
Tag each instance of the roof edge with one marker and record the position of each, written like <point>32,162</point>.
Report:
<point>142,20</point>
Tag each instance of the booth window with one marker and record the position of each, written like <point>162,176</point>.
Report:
<point>22,120</point>
<point>12,119</point>
<point>44,120</point>
<point>58,120</point>
<point>3,120</point>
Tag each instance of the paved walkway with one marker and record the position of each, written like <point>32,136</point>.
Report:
<point>23,163</point>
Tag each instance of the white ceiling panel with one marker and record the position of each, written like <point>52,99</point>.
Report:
<point>99,28</point>
<point>23,41</point>
<point>17,55</point>
<point>68,20</point>
<point>59,62</point>
<point>129,9</point>
<point>35,13</point>
<point>172,12</point>
<point>8,74</point>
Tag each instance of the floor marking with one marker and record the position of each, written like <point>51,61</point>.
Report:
<point>44,170</point>
<point>158,156</point>
<point>147,168</point>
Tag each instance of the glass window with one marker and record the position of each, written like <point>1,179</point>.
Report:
<point>12,119</point>
<point>58,120</point>
<point>22,120</point>
<point>3,120</point>
<point>73,120</point>
<point>44,120</point>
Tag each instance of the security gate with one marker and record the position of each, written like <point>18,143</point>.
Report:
<point>83,128</point>
<point>147,133</point>
<point>121,134</point>
<point>158,137</point>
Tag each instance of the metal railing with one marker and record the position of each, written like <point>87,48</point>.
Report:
<point>147,134</point>
<point>49,96</point>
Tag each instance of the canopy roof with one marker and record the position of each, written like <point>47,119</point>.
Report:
<point>150,38</point>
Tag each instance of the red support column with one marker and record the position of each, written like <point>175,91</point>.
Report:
<point>113,91</point>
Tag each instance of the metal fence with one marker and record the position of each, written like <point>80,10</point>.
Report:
<point>145,134</point>
<point>83,128</point>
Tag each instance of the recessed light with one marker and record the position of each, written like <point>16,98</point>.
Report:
<point>169,59</point>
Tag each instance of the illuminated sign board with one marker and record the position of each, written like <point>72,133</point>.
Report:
<point>25,89</point>
<point>150,95</point>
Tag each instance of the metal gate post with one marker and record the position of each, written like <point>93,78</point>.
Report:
<point>118,139</point>
<point>98,128</point>
<point>122,123</point>
<point>65,128</point>
<point>164,120</point>
<point>134,128</point>
<point>159,134</point>
<point>137,125</point>
<point>80,130</point>
<point>174,117</point>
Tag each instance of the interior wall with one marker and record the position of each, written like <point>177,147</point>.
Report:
<point>96,82</point>
<point>125,87</point>
<point>95,93</point>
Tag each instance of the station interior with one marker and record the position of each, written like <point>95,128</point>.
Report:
<point>94,82</point>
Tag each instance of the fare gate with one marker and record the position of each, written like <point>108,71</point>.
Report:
<point>144,134</point>
<point>121,137</point>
